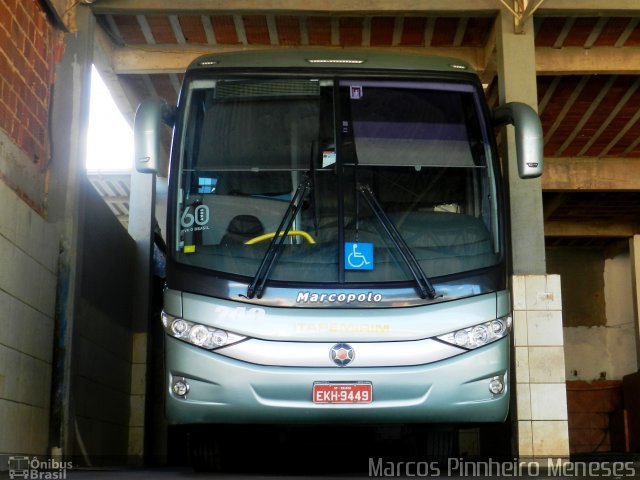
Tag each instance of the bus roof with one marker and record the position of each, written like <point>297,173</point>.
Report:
<point>323,58</point>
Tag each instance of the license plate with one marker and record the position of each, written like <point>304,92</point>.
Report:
<point>342,393</point>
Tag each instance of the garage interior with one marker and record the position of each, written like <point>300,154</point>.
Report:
<point>76,367</point>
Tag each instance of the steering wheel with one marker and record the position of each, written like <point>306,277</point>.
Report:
<point>290,233</point>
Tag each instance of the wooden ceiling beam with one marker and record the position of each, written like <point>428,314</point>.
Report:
<point>591,174</point>
<point>549,61</point>
<point>587,61</point>
<point>588,8</point>
<point>147,59</point>
<point>464,7</point>
<point>468,8</point>
<point>591,228</point>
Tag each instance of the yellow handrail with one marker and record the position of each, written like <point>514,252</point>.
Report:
<point>267,236</point>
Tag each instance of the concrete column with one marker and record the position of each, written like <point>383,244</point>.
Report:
<point>517,83</point>
<point>141,223</point>
<point>634,249</point>
<point>69,119</point>
<point>539,409</point>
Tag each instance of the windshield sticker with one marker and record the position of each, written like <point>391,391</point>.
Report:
<point>196,220</point>
<point>308,297</point>
<point>189,249</point>
<point>328,158</point>
<point>356,92</point>
<point>358,256</point>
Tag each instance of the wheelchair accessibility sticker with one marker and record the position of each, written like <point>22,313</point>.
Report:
<point>358,256</point>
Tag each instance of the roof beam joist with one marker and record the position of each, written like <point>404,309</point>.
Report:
<point>370,7</point>
<point>549,61</point>
<point>586,61</point>
<point>591,228</point>
<point>588,8</point>
<point>199,7</point>
<point>175,59</point>
<point>591,174</point>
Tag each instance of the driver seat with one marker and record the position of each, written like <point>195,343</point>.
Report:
<point>242,228</point>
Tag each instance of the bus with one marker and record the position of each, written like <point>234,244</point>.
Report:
<point>336,236</point>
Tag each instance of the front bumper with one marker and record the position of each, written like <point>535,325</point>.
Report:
<point>225,390</point>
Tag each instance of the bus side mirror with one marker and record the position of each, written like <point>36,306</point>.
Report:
<point>146,133</point>
<point>529,137</point>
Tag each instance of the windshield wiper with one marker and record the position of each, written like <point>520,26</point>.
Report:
<point>256,287</point>
<point>424,287</point>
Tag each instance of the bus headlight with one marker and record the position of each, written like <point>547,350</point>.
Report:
<point>479,335</point>
<point>198,334</point>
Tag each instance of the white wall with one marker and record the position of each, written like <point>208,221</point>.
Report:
<point>590,351</point>
<point>28,266</point>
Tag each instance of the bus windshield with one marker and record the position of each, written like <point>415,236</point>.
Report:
<point>308,159</point>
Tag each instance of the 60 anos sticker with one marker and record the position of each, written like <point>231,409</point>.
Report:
<point>198,218</point>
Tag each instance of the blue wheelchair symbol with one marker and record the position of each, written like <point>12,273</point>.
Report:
<point>358,256</point>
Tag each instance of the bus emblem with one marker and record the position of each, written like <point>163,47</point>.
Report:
<point>342,354</point>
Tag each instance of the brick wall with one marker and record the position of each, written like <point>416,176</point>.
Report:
<point>29,48</point>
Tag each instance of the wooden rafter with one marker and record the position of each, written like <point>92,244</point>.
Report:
<point>604,91</point>
<point>623,131</point>
<point>568,105</point>
<point>552,205</point>
<point>595,33</point>
<point>564,32</point>
<point>548,94</point>
<point>631,26</point>
<point>607,121</point>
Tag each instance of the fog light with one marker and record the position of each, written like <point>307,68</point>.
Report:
<point>496,385</point>
<point>180,387</point>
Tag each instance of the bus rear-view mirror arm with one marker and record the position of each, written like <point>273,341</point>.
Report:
<point>529,137</point>
<point>146,132</point>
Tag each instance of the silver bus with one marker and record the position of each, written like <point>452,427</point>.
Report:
<point>336,239</point>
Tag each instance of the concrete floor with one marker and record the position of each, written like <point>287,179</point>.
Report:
<point>349,453</point>
<point>630,471</point>
<point>618,467</point>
